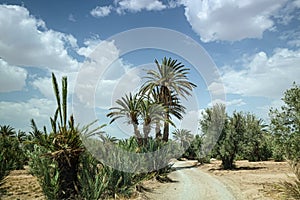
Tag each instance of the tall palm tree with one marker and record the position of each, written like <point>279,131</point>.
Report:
<point>170,77</point>
<point>128,107</point>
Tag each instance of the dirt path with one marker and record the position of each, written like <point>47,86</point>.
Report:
<point>192,184</point>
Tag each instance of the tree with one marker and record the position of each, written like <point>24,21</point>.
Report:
<point>128,107</point>
<point>171,76</point>
<point>56,159</point>
<point>151,113</point>
<point>7,131</point>
<point>230,140</point>
<point>176,109</point>
<point>212,124</point>
<point>184,136</point>
<point>256,145</point>
<point>285,124</point>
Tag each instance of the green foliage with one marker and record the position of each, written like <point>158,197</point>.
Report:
<point>46,170</point>
<point>230,140</point>
<point>194,151</point>
<point>256,144</point>
<point>92,178</point>
<point>285,124</point>
<point>169,81</point>
<point>12,155</point>
<point>242,135</point>
<point>212,124</point>
<point>56,157</point>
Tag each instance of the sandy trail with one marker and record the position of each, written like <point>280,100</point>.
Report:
<point>191,184</point>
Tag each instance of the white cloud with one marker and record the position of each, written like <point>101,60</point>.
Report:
<point>123,6</point>
<point>26,41</point>
<point>263,75</point>
<point>138,5</point>
<point>216,88</point>
<point>101,11</point>
<point>90,46</point>
<point>43,83</point>
<point>19,114</point>
<point>12,78</point>
<point>230,20</point>
<point>234,102</point>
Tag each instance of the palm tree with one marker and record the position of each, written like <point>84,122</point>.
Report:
<point>176,109</point>
<point>170,77</point>
<point>128,107</point>
<point>7,131</point>
<point>184,136</point>
<point>151,113</point>
<point>63,144</point>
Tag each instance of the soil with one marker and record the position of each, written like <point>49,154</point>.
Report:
<point>19,184</point>
<point>251,180</point>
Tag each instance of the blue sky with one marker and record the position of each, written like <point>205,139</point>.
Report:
<point>255,46</point>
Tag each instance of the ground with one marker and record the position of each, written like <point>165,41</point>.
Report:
<point>251,180</point>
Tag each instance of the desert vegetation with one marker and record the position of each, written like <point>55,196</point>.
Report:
<point>65,169</point>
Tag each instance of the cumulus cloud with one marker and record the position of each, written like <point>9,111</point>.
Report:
<point>43,83</point>
<point>12,78</point>
<point>19,114</point>
<point>26,41</point>
<point>123,6</point>
<point>138,5</point>
<point>234,102</point>
<point>263,75</point>
<point>231,20</point>
<point>101,11</point>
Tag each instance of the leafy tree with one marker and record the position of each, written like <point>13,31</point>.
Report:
<point>212,124</point>
<point>230,139</point>
<point>170,77</point>
<point>285,124</point>
<point>256,145</point>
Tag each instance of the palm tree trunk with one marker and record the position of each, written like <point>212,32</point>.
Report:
<point>157,130</point>
<point>166,95</point>
<point>166,132</point>
<point>68,177</point>
<point>146,129</point>
<point>137,134</point>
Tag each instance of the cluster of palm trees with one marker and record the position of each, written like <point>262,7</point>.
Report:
<point>157,100</point>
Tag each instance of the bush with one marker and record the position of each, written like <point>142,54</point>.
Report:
<point>46,170</point>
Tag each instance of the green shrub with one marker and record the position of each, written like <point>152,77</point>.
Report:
<point>46,170</point>
<point>92,178</point>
